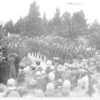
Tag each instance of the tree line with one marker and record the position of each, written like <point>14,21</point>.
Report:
<point>65,25</point>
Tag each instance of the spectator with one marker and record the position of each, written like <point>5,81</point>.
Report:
<point>96,93</point>
<point>48,69</point>
<point>50,90</point>
<point>66,88</point>
<point>3,89</point>
<point>12,90</point>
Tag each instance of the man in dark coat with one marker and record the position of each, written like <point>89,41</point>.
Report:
<point>17,61</point>
<point>4,69</point>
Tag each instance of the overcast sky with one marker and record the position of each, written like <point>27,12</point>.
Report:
<point>13,9</point>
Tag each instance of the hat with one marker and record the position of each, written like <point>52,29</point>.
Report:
<point>26,69</point>
<point>52,67</point>
<point>11,82</point>
<point>50,86</point>
<point>43,65</point>
<point>43,71</point>
<point>67,83</point>
<point>49,62</point>
<point>56,58</point>
<point>38,73</point>
<point>85,78</point>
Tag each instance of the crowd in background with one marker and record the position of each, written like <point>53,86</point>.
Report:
<point>51,79</point>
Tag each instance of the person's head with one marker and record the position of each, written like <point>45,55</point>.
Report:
<point>49,63</point>
<point>26,70</point>
<point>38,75</point>
<point>21,65</point>
<point>3,88</point>
<point>33,67</point>
<point>83,82</point>
<point>11,82</point>
<point>38,62</point>
<point>60,82</point>
<point>51,76</point>
<point>52,67</point>
<point>67,84</point>
<point>66,65</point>
<point>50,86</point>
<point>96,88</point>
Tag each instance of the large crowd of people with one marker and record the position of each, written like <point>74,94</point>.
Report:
<point>52,79</point>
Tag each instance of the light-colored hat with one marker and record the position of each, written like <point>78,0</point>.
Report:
<point>84,60</point>
<point>38,73</point>
<point>67,83</point>
<point>52,67</point>
<point>56,58</point>
<point>26,69</point>
<point>43,71</point>
<point>50,86</point>
<point>49,62</point>
<point>11,82</point>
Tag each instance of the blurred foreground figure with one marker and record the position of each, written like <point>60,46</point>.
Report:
<point>3,89</point>
<point>4,67</point>
<point>12,90</point>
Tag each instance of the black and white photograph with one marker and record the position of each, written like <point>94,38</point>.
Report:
<point>49,48</point>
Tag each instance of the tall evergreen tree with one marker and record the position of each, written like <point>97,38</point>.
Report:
<point>45,24</point>
<point>78,24</point>
<point>9,26</point>
<point>55,23</point>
